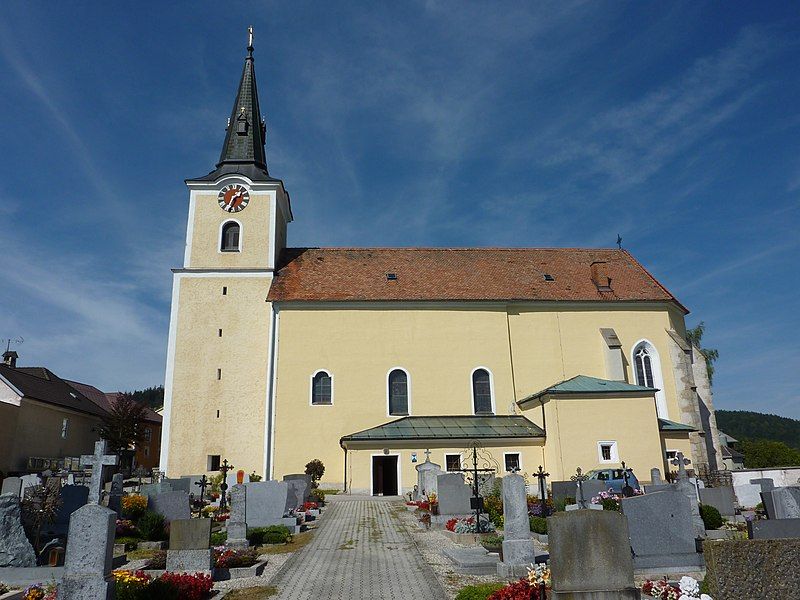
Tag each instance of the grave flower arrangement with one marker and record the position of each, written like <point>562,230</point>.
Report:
<point>189,587</point>
<point>134,505</point>
<point>451,524</point>
<point>126,528</point>
<point>4,588</point>
<point>40,591</point>
<point>610,500</point>
<point>519,590</point>
<point>228,558</point>
<point>310,506</point>
<point>468,525</point>
<point>687,589</point>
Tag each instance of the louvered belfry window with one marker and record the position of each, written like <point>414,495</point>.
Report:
<point>481,392</point>
<point>398,392</point>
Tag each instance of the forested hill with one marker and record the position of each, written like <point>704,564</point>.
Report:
<point>745,424</point>
<point>154,397</point>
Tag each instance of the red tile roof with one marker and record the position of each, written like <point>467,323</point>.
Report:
<point>492,274</point>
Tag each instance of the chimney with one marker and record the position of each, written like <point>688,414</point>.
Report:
<point>600,276</point>
<point>10,358</point>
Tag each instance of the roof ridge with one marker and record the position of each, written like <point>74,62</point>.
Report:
<point>656,281</point>
<point>458,248</point>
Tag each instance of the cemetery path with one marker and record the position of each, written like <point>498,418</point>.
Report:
<point>360,550</point>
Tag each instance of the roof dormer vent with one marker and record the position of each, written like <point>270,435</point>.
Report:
<point>599,270</point>
<point>391,277</point>
<point>548,277</point>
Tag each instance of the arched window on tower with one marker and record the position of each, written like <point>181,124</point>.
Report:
<point>230,237</point>
<point>398,392</point>
<point>481,392</point>
<point>647,370</point>
<point>321,389</point>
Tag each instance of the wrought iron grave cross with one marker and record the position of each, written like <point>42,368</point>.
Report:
<point>542,476</point>
<point>476,501</point>
<point>579,479</point>
<point>224,468</point>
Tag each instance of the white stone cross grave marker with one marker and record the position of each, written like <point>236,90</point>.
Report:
<point>98,462</point>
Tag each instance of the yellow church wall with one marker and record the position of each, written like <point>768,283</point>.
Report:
<point>553,345</point>
<point>575,426</point>
<point>678,441</point>
<point>242,356</point>
<point>359,463</point>
<point>358,348</point>
<point>206,222</point>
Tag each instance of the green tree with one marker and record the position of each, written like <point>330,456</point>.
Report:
<point>152,396</point>
<point>123,425</point>
<point>764,454</point>
<point>695,336</point>
<point>316,469</point>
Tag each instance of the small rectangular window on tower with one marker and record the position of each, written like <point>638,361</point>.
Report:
<point>220,333</point>
<point>212,462</point>
<point>224,290</point>
<point>219,374</point>
<point>218,413</point>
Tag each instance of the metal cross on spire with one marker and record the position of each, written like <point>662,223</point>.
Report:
<point>250,39</point>
<point>98,462</point>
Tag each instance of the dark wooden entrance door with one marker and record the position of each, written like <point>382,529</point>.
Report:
<point>384,476</point>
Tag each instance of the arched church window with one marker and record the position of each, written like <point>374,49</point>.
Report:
<point>321,389</point>
<point>398,392</point>
<point>644,366</point>
<point>230,237</point>
<point>481,392</point>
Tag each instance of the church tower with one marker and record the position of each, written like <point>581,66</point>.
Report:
<point>218,354</point>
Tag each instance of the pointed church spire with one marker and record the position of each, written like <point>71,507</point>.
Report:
<point>245,136</point>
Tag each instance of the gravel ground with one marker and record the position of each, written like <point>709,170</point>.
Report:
<point>431,543</point>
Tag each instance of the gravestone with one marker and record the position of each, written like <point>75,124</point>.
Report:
<point>426,479</point>
<point>763,569</point>
<point>661,530</point>
<point>90,549</point>
<point>189,546</point>
<point>721,498</point>
<point>153,489</point>
<point>454,495</point>
<point>593,557</point>
<point>117,491</point>
<point>100,462</point>
<point>655,476</point>
<point>180,484</point>
<point>748,494</point>
<point>15,549</point>
<point>266,503</point>
<point>172,505</point>
<point>689,489</point>
<point>12,485</point>
<point>774,529</point>
<point>72,498</point>
<point>298,490</point>
<point>569,489</point>
<point>766,484</point>
<point>518,550</point>
<point>237,523</point>
<point>31,480</point>
<point>782,503</point>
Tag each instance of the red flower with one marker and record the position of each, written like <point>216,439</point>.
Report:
<point>451,524</point>
<point>520,590</point>
<point>190,587</point>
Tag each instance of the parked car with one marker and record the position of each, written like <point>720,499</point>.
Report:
<point>614,478</point>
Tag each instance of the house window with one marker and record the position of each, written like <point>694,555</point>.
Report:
<point>230,237</point>
<point>148,434</point>
<point>64,427</point>
<point>607,452</point>
<point>512,462</point>
<point>481,392</point>
<point>452,462</point>
<point>212,463</point>
<point>321,389</point>
<point>398,392</point>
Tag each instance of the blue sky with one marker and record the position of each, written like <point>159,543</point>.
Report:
<point>401,124</point>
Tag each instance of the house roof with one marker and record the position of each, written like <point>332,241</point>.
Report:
<point>442,274</point>
<point>667,425</point>
<point>450,427</point>
<point>39,383</point>
<point>583,384</point>
<point>149,414</point>
<point>728,452</point>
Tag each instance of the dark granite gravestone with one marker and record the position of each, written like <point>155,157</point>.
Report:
<point>454,494</point>
<point>72,498</point>
<point>176,485</point>
<point>189,545</point>
<point>721,498</point>
<point>569,489</point>
<point>12,485</point>
<point>265,503</point>
<point>782,503</point>
<point>661,530</point>
<point>766,484</point>
<point>116,493</point>
<point>774,529</point>
<point>299,488</point>
<point>151,489</point>
<point>172,505</point>
<point>590,556</point>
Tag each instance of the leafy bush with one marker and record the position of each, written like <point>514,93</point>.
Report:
<point>494,508</point>
<point>317,495</point>
<point>134,505</point>
<point>539,525</point>
<point>480,591</point>
<point>330,492</point>
<point>255,476</point>
<point>711,517</point>
<point>151,526</point>
<point>561,504</point>
<point>274,534</point>
<point>129,541</point>
<point>218,538</point>
<point>316,469</point>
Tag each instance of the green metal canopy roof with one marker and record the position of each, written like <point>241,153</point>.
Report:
<point>666,425</point>
<point>449,428</point>
<point>583,384</point>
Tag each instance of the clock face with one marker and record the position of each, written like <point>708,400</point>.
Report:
<point>233,198</point>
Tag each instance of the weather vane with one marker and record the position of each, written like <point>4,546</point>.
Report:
<point>619,241</point>
<point>17,341</point>
<point>250,37</point>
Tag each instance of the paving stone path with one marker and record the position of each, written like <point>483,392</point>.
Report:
<point>360,550</point>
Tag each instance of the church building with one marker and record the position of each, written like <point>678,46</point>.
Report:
<point>371,359</point>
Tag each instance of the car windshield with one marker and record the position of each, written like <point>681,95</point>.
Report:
<point>596,474</point>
